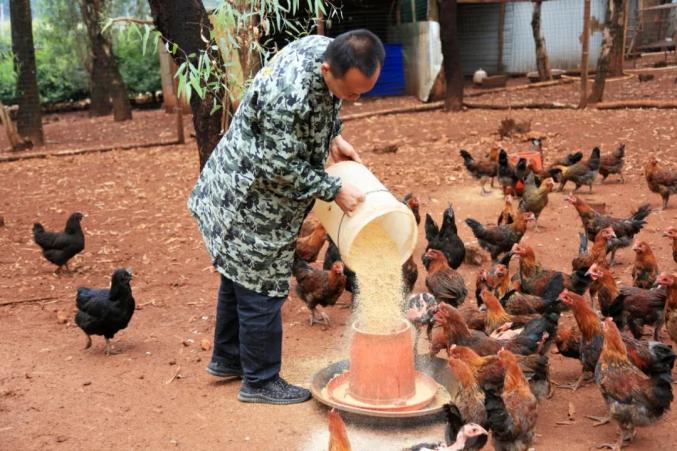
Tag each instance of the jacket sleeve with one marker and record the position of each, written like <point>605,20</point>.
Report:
<point>282,160</point>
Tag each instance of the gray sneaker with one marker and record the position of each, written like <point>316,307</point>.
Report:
<point>222,370</point>
<point>277,391</point>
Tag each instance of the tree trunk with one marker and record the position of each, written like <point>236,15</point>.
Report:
<point>105,81</point>
<point>184,23</point>
<point>451,55</point>
<point>618,40</point>
<point>614,9</point>
<point>542,64</point>
<point>29,117</point>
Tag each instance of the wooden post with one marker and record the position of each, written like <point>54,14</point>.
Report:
<point>413,11</point>
<point>178,110</point>
<point>501,29</point>
<point>585,44</point>
<point>320,24</point>
<point>167,66</point>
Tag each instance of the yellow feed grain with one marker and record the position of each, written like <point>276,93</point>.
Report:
<point>376,261</point>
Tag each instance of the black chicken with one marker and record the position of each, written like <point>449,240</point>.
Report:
<point>444,239</point>
<point>505,173</point>
<point>103,311</point>
<point>59,247</point>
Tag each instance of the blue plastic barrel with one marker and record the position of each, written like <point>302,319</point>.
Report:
<point>391,82</point>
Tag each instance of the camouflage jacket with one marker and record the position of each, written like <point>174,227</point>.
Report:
<point>263,176</point>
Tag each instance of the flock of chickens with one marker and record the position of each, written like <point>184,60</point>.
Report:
<point>101,311</point>
<point>499,349</point>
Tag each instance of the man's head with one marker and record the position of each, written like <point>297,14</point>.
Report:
<point>352,64</point>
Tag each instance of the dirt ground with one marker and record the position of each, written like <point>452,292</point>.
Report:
<point>155,394</point>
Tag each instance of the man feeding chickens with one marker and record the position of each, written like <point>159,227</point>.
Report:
<point>257,187</point>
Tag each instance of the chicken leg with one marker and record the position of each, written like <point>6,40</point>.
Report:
<point>89,342</point>
<point>625,436</point>
<point>109,348</point>
<point>323,318</point>
<point>582,380</point>
<point>483,182</point>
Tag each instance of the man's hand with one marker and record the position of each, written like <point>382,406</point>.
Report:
<point>348,198</point>
<point>342,150</point>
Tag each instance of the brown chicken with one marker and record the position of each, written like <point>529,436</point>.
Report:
<point>535,280</point>
<point>469,395</point>
<point>496,280</point>
<point>633,398</point>
<point>412,201</point>
<point>409,275</point>
<point>500,239</point>
<point>612,163</point>
<point>450,328</point>
<point>535,198</point>
<point>309,225</point>
<point>669,282</point>
<point>308,247</point>
<point>581,173</point>
<point>507,215</point>
<point>568,337</point>
<point>671,232</point>
<point>482,169</point>
<point>497,317</point>
<point>605,288</point>
<point>645,268</point>
<point>338,436</point>
<point>444,283</point>
<point>631,306</point>
<point>650,357</point>
<point>512,413</point>
<point>661,181</point>
<point>317,287</point>
<point>625,229</point>
<point>598,252</point>
<point>489,372</point>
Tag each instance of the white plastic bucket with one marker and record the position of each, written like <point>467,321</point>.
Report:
<point>379,205</point>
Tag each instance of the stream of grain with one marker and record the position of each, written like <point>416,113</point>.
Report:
<point>376,260</point>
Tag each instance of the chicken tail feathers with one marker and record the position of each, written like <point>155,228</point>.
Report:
<point>38,234</point>
<point>467,158</point>
<point>641,214</point>
<point>431,229</point>
<point>595,159</point>
<point>454,422</point>
<point>663,359</point>
<point>662,393</point>
<point>476,226</point>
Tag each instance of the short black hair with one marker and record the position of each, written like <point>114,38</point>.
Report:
<point>357,48</point>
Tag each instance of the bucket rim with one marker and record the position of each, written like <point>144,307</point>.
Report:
<point>403,326</point>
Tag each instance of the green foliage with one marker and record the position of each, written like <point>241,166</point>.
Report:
<point>248,33</point>
<point>140,69</point>
<point>7,75</point>
<point>61,72</point>
<point>62,54</point>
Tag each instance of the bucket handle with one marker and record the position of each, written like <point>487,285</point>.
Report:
<point>338,231</point>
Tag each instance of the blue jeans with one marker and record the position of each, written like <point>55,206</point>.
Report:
<point>248,332</point>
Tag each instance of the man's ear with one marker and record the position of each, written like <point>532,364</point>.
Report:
<point>325,67</point>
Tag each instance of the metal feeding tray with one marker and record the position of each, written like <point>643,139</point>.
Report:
<point>435,370</point>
